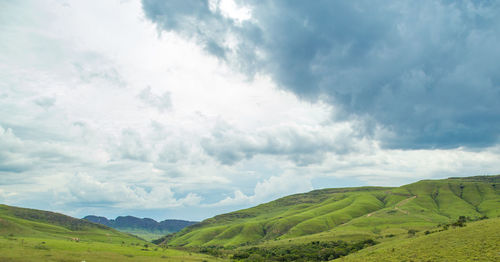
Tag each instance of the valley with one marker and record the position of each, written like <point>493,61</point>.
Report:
<point>145,228</point>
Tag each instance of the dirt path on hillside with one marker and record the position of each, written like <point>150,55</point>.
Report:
<point>369,215</point>
<point>402,203</point>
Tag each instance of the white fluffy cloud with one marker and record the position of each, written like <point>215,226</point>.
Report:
<point>271,188</point>
<point>86,189</point>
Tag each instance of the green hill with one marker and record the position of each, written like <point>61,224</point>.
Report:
<point>349,214</point>
<point>478,241</point>
<point>30,222</point>
<point>34,235</point>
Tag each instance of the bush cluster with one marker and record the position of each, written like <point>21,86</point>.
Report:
<point>459,223</point>
<point>313,251</point>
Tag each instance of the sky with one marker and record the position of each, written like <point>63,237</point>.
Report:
<point>186,109</point>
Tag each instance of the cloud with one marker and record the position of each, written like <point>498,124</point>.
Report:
<point>93,68</point>
<point>268,189</point>
<point>238,198</point>
<point>426,71</point>
<point>12,158</point>
<point>132,146</point>
<point>162,102</point>
<point>278,186</point>
<point>21,155</point>
<point>86,190</point>
<point>302,144</point>
<point>45,102</point>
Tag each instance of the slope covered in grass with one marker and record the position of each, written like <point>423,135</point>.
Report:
<point>478,241</point>
<point>349,213</point>
<point>34,235</point>
<point>37,223</point>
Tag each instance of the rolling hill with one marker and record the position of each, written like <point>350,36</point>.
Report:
<point>31,222</point>
<point>146,228</point>
<point>34,235</point>
<point>348,214</point>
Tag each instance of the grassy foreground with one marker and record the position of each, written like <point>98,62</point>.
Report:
<point>478,241</point>
<point>41,249</point>
<point>35,235</point>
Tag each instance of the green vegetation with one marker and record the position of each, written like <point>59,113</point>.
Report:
<point>478,241</point>
<point>349,214</point>
<point>33,249</point>
<point>314,251</point>
<point>34,235</point>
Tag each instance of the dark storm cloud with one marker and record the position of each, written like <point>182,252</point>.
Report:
<point>428,71</point>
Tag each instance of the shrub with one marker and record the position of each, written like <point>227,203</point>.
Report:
<point>41,247</point>
<point>241,255</point>
<point>412,232</point>
<point>460,222</point>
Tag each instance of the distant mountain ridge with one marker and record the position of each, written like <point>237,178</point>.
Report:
<point>144,227</point>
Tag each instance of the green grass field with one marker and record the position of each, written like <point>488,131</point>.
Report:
<point>478,241</point>
<point>34,235</point>
<point>36,249</point>
<point>349,214</point>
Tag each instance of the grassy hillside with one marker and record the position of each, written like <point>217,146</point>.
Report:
<point>478,241</point>
<point>28,235</point>
<point>36,223</point>
<point>349,214</point>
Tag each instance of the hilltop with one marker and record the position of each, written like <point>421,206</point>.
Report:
<point>145,228</point>
<point>351,214</point>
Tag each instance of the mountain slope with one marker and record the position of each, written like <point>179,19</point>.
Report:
<point>478,241</point>
<point>146,228</point>
<point>349,213</point>
<point>32,222</point>
<point>36,235</point>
